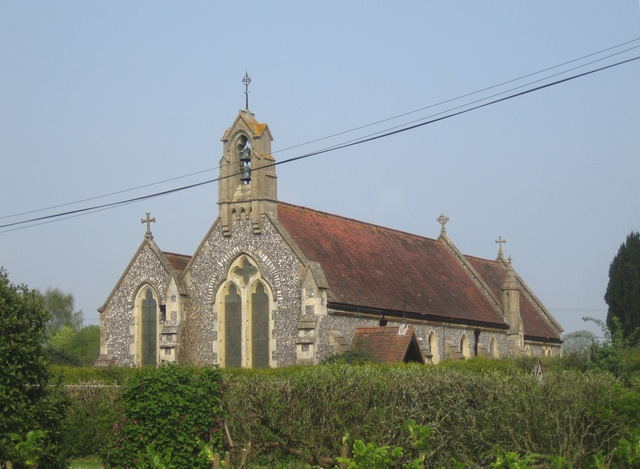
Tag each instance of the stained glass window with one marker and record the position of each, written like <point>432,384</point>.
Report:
<point>260,327</point>
<point>149,329</point>
<point>233,328</point>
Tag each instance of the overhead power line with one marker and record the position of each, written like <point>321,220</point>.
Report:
<point>358,141</point>
<point>354,129</point>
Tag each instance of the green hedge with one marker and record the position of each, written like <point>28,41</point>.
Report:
<point>170,412</point>
<point>470,406</point>
<point>307,411</point>
<point>94,409</point>
<point>80,375</point>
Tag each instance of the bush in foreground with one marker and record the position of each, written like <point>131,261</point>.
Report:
<point>173,408</point>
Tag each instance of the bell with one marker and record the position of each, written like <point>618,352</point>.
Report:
<point>245,155</point>
<point>245,175</point>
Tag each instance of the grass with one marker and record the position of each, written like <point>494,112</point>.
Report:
<point>86,463</point>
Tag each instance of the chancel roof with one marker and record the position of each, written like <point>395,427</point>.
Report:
<point>178,261</point>
<point>536,321</point>
<point>371,267</point>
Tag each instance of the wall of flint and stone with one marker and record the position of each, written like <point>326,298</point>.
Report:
<point>117,321</point>
<point>279,267</point>
<point>346,325</point>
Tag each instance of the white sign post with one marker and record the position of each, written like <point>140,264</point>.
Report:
<point>538,371</point>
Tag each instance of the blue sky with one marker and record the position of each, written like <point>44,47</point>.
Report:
<point>101,97</point>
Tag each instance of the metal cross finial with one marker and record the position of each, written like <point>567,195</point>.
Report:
<point>442,219</point>
<point>500,241</point>
<point>148,221</point>
<point>246,80</point>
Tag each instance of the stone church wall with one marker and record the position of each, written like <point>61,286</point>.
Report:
<point>118,319</point>
<point>346,324</point>
<point>280,268</point>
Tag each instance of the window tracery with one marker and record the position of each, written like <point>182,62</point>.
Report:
<point>245,319</point>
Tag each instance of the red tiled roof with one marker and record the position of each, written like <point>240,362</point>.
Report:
<point>493,273</point>
<point>370,266</point>
<point>177,261</point>
<point>383,343</point>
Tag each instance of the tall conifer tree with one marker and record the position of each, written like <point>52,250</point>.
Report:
<point>623,291</point>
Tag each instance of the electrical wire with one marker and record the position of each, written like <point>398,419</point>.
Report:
<point>362,126</point>
<point>358,141</point>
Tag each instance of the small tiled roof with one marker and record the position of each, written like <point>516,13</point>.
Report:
<point>256,127</point>
<point>369,266</point>
<point>178,261</point>
<point>493,273</point>
<point>384,344</point>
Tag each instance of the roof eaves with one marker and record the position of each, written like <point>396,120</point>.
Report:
<point>388,313</point>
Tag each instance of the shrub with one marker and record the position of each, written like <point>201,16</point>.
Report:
<point>307,411</point>
<point>90,417</point>
<point>171,407</point>
<point>27,402</point>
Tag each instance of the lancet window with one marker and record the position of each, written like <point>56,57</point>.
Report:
<point>464,346</point>
<point>147,314</point>
<point>433,348</point>
<point>244,155</point>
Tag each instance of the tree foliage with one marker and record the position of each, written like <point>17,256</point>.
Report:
<point>175,407</point>
<point>579,343</point>
<point>27,403</point>
<point>623,290</point>
<point>75,348</point>
<point>60,307</point>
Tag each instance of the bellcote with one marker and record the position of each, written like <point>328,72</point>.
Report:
<point>248,183</point>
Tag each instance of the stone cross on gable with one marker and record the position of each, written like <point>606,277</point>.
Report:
<point>500,241</point>
<point>148,221</point>
<point>442,219</point>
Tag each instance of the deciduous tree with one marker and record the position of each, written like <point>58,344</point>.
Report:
<point>60,307</point>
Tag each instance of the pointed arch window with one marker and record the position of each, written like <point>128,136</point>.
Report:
<point>244,155</point>
<point>233,327</point>
<point>147,327</point>
<point>245,317</point>
<point>433,348</point>
<point>259,327</point>
<point>464,346</point>
<point>493,348</point>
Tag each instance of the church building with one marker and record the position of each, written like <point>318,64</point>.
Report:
<point>275,284</point>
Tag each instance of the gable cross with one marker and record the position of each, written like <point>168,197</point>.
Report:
<point>500,241</point>
<point>148,221</point>
<point>442,219</point>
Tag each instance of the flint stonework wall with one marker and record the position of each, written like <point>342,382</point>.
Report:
<point>118,318</point>
<point>279,267</point>
<point>346,325</point>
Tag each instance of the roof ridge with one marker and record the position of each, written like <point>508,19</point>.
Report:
<point>394,230</point>
<point>480,258</point>
<point>361,222</point>
<point>176,254</point>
